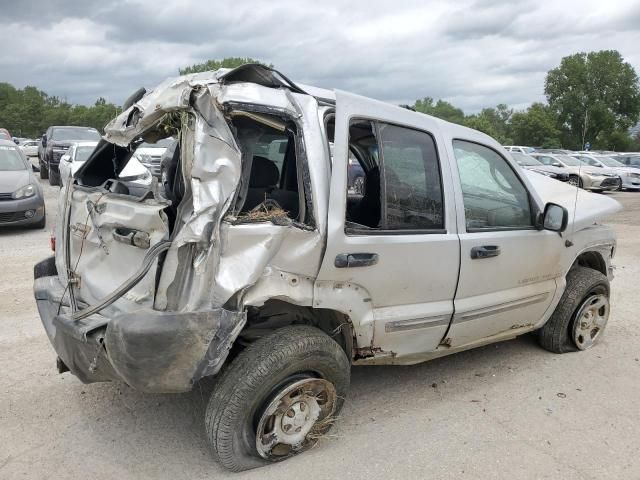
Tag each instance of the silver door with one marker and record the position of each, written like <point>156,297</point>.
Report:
<point>396,283</point>
<point>508,268</point>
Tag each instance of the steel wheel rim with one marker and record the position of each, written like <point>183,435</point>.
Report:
<point>293,421</point>
<point>590,321</point>
<point>573,181</point>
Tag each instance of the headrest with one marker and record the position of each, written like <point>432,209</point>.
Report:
<point>264,173</point>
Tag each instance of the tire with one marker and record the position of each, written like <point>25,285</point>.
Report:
<point>575,180</point>
<point>251,382</point>
<point>557,334</point>
<point>44,171</point>
<point>54,178</point>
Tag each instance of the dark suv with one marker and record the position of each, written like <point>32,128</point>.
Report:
<point>55,143</point>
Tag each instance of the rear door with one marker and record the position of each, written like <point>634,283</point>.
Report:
<point>508,268</point>
<point>392,257</point>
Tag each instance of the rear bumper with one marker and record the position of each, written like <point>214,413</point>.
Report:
<point>150,350</point>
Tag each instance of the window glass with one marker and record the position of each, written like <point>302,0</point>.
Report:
<point>10,159</point>
<point>413,191</point>
<point>83,152</point>
<point>393,178</point>
<point>74,133</point>
<point>494,197</point>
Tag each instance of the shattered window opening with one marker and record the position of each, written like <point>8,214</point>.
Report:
<point>273,190</point>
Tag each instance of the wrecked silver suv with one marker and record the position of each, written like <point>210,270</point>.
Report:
<point>254,261</point>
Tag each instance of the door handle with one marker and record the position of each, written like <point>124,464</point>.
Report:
<point>351,260</point>
<point>485,251</point>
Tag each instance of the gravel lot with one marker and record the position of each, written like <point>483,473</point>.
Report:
<point>509,410</point>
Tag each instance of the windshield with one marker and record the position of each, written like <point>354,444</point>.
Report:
<point>610,162</point>
<point>83,152</point>
<point>164,143</point>
<point>525,160</point>
<point>4,136</point>
<point>78,133</point>
<point>571,161</point>
<point>11,160</point>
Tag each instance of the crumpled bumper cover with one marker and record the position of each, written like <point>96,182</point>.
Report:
<point>150,350</point>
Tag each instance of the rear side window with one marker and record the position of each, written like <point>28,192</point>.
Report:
<point>494,197</point>
<point>413,192</point>
<point>400,179</point>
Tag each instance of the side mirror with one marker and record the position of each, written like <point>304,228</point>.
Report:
<point>555,218</point>
<point>65,158</point>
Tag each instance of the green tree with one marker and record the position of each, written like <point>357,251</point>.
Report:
<point>536,126</point>
<point>594,94</point>
<point>229,62</point>
<point>440,109</point>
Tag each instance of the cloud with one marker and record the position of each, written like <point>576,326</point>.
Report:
<point>475,53</point>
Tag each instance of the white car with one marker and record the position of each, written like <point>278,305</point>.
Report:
<point>518,148</point>
<point>29,148</point>
<point>582,174</point>
<point>630,176</point>
<point>78,153</point>
<point>269,274</point>
<point>150,154</point>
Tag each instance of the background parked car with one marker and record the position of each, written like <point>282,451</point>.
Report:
<point>55,144</point>
<point>530,163</point>
<point>581,174</point>
<point>134,174</point>
<point>517,148</point>
<point>630,160</point>
<point>150,154</point>
<point>29,148</point>
<point>4,134</point>
<point>21,199</point>
<point>629,176</point>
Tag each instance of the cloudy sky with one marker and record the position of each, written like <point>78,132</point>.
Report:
<point>474,53</point>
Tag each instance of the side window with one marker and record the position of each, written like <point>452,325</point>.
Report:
<point>494,197</point>
<point>401,187</point>
<point>413,191</point>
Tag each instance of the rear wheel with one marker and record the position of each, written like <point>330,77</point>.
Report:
<point>44,171</point>
<point>277,398</point>
<point>582,314</point>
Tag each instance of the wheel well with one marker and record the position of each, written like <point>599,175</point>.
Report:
<point>592,260</point>
<point>275,314</point>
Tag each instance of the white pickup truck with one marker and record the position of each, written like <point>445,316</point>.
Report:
<point>259,265</point>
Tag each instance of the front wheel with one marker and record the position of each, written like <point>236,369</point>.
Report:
<point>277,398</point>
<point>582,314</point>
<point>575,180</point>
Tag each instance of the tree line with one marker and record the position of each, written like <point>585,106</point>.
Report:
<point>28,112</point>
<point>591,97</point>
